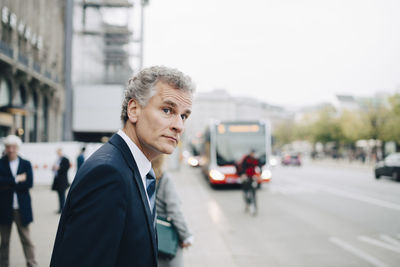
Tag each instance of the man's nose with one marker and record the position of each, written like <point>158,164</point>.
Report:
<point>177,124</point>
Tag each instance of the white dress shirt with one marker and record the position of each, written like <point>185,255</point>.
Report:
<point>143,164</point>
<point>14,168</point>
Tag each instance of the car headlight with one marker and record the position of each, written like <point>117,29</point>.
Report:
<point>193,161</point>
<point>217,175</point>
<point>273,162</point>
<point>266,174</point>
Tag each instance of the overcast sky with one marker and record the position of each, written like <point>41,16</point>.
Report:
<point>285,52</point>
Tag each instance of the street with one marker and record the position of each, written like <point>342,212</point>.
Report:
<point>315,215</point>
<point>308,216</point>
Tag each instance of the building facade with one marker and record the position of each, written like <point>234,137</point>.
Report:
<point>31,69</point>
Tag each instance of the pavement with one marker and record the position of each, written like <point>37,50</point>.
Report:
<point>209,248</point>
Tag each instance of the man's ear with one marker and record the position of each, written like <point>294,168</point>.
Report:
<point>133,110</point>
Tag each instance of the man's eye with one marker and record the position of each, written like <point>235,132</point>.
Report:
<point>184,117</point>
<point>167,110</point>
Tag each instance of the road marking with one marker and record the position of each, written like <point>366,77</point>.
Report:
<point>215,212</point>
<point>379,243</point>
<point>390,240</point>
<point>311,188</point>
<point>357,252</point>
<point>369,200</point>
<point>290,189</point>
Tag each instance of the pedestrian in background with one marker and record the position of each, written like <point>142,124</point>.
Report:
<point>169,206</point>
<point>109,216</point>
<point>16,178</point>
<point>80,159</point>
<point>60,182</point>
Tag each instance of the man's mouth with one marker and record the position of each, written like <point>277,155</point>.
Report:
<point>172,138</point>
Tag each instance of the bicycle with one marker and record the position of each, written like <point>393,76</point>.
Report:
<point>249,186</point>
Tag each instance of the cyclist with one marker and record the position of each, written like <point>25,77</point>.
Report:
<point>248,170</point>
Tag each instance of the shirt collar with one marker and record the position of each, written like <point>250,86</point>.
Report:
<point>143,164</point>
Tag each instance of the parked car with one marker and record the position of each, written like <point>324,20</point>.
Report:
<point>390,166</point>
<point>291,159</point>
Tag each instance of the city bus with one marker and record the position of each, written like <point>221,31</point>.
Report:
<point>226,143</point>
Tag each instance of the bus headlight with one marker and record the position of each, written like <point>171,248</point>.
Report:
<point>216,175</point>
<point>266,174</point>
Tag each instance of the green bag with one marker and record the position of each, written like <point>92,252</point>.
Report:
<point>167,238</point>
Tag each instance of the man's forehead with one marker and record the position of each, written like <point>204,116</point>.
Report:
<point>11,145</point>
<point>176,97</point>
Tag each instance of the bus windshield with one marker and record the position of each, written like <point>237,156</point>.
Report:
<point>233,141</point>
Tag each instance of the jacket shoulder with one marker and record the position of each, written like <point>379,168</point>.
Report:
<point>25,161</point>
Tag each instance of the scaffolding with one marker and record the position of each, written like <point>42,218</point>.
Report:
<point>115,39</point>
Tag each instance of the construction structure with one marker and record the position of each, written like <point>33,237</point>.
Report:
<point>100,66</point>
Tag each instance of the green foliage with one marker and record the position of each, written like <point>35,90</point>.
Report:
<point>284,133</point>
<point>378,119</point>
<point>394,101</point>
<point>376,116</point>
<point>326,128</point>
<point>352,125</point>
<point>391,128</point>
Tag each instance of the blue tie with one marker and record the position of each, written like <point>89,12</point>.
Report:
<point>151,190</point>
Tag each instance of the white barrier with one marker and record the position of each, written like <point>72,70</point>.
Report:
<point>43,156</point>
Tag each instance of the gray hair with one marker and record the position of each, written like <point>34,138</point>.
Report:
<point>141,86</point>
<point>12,140</point>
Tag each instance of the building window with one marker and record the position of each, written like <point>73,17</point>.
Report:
<point>45,119</point>
<point>5,93</point>
<point>23,98</point>
<point>6,34</point>
<point>33,118</point>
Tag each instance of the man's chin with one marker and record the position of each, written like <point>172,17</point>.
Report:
<point>168,149</point>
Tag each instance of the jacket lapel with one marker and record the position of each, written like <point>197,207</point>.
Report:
<point>6,164</point>
<point>19,169</point>
<point>117,141</point>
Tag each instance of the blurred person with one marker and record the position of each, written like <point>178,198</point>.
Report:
<point>16,178</point>
<point>60,182</point>
<point>109,215</point>
<point>248,169</point>
<point>81,158</point>
<point>169,206</point>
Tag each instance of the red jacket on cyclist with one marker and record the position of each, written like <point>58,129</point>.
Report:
<point>249,164</point>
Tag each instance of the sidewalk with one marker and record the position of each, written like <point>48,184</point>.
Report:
<point>202,214</point>
<point>43,229</point>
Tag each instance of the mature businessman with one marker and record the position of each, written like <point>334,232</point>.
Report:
<point>108,218</point>
<point>16,179</point>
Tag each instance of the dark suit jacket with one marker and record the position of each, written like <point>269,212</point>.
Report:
<point>106,220</point>
<point>60,182</point>
<point>7,188</point>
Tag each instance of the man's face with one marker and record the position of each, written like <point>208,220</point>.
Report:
<point>160,124</point>
<point>12,151</point>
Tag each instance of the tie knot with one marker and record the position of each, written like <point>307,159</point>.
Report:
<point>151,175</point>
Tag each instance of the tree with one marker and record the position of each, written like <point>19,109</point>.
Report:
<point>352,125</point>
<point>326,128</point>
<point>284,133</point>
<point>391,129</point>
<point>376,116</point>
